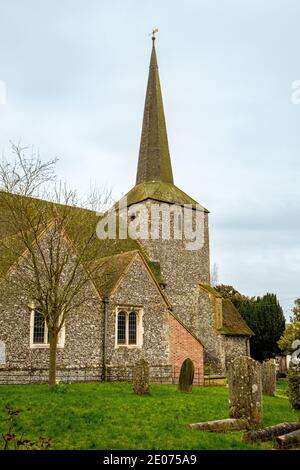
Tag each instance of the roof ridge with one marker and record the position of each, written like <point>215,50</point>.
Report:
<point>129,252</point>
<point>38,199</point>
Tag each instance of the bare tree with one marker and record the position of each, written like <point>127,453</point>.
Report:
<point>56,240</point>
<point>215,275</point>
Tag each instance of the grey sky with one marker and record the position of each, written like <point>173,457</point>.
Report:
<point>76,73</point>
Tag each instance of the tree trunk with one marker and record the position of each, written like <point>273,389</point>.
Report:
<point>52,359</point>
<point>271,431</point>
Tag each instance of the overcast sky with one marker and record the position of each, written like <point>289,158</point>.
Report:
<point>75,74</point>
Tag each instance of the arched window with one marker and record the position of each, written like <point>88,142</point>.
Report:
<point>129,326</point>
<point>38,328</point>
<point>121,328</point>
<point>39,334</point>
<point>132,328</point>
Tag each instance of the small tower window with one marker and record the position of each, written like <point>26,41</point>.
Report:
<point>179,222</point>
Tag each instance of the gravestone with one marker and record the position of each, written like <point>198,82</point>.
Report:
<point>141,377</point>
<point>245,390</point>
<point>2,353</point>
<point>186,377</point>
<point>268,377</point>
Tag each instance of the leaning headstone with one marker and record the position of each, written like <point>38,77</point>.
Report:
<point>245,395</point>
<point>220,425</point>
<point>186,377</point>
<point>141,377</point>
<point>269,433</point>
<point>289,440</point>
<point>268,377</point>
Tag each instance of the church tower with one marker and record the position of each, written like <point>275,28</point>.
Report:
<point>181,269</point>
<point>180,263</point>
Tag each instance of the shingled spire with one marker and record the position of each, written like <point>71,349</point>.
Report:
<point>154,157</point>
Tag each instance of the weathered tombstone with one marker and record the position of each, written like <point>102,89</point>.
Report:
<point>289,440</point>
<point>268,377</point>
<point>186,377</point>
<point>220,425</point>
<point>141,377</point>
<point>245,395</point>
<point>2,353</point>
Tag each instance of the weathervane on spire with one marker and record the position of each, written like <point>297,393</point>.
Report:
<point>153,32</point>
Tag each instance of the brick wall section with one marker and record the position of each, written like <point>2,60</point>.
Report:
<point>183,345</point>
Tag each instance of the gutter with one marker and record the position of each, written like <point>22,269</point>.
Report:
<point>104,340</point>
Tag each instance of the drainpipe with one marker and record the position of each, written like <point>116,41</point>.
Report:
<point>104,371</point>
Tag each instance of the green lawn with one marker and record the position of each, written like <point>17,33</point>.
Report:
<point>110,416</point>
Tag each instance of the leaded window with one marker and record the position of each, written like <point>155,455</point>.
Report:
<point>121,328</point>
<point>129,327</point>
<point>39,333</point>
<point>38,328</point>
<point>132,328</point>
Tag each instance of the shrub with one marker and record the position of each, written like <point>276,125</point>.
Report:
<point>294,387</point>
<point>186,377</point>
<point>141,377</point>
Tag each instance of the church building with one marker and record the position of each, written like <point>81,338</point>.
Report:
<point>151,298</point>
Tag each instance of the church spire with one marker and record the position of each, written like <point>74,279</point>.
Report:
<point>154,157</point>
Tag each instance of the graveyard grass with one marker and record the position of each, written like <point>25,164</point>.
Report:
<point>111,416</point>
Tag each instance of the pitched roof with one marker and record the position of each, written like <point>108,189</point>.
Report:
<point>232,322</point>
<point>210,289</point>
<point>112,256</point>
<point>154,156</point>
<point>162,192</point>
<point>81,223</point>
<point>109,271</point>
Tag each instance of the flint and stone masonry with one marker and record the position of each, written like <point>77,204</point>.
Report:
<point>179,314</point>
